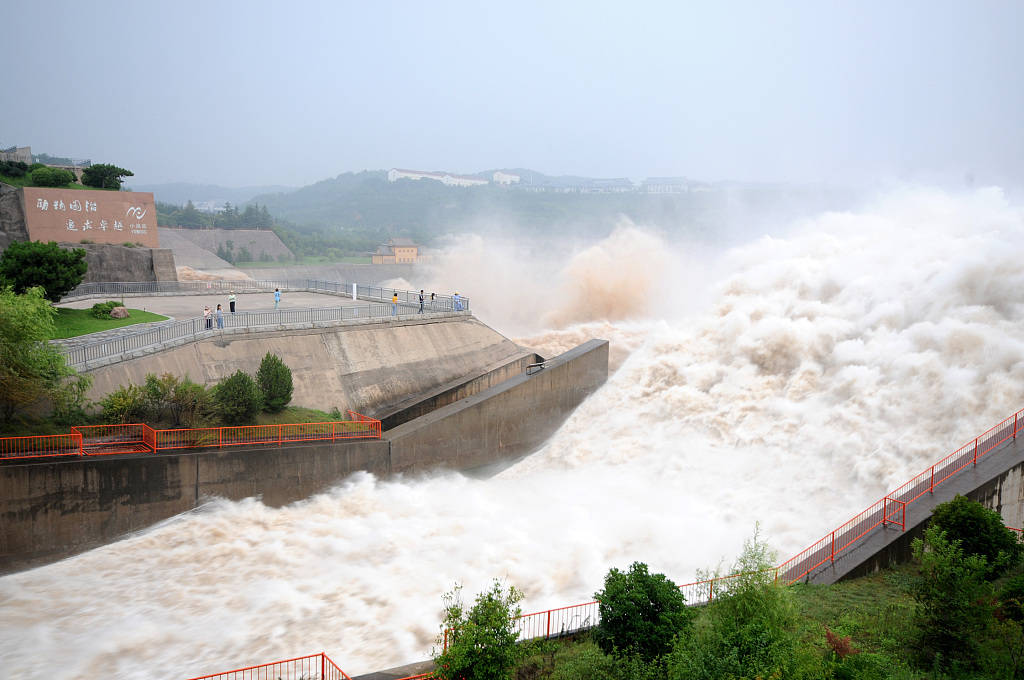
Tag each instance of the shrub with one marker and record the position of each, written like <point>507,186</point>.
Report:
<point>238,399</point>
<point>748,631</point>
<point>1011,599</point>
<point>275,381</point>
<point>189,403</point>
<point>52,177</point>
<point>101,310</point>
<point>126,404</point>
<point>640,613</point>
<point>954,601</point>
<point>980,531</point>
<point>31,369</point>
<point>26,264</point>
<point>158,393</point>
<point>69,402</point>
<point>13,168</point>
<point>481,641</point>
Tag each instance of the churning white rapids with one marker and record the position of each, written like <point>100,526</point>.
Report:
<point>791,381</point>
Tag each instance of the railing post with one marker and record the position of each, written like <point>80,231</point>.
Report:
<point>323,665</point>
<point>832,557</point>
<point>931,486</point>
<point>975,450</point>
<point>711,590</point>
<point>548,634</point>
<point>220,437</point>
<point>1014,425</point>
<point>280,430</point>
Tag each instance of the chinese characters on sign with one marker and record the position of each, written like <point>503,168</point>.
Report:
<point>100,216</point>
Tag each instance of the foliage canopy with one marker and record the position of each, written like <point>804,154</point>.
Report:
<point>641,613</point>
<point>31,370</point>
<point>980,531</point>
<point>105,176</point>
<point>26,264</point>
<point>481,640</point>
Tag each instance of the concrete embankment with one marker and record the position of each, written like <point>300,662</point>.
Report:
<point>368,368</point>
<point>53,509</point>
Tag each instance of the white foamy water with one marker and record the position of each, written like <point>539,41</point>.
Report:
<point>792,381</point>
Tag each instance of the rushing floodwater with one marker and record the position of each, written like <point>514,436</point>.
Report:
<point>790,381</point>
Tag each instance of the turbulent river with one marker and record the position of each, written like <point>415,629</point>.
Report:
<point>791,380</point>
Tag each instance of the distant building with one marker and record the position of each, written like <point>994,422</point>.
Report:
<point>395,174</point>
<point>666,185</point>
<point>505,178</point>
<point>17,154</point>
<point>396,251</point>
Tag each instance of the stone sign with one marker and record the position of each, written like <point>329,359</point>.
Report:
<point>70,216</point>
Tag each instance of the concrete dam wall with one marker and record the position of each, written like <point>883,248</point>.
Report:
<point>366,368</point>
<point>53,509</point>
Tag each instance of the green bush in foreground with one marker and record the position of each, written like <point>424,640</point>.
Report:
<point>481,641</point>
<point>954,603</point>
<point>641,613</point>
<point>980,531</point>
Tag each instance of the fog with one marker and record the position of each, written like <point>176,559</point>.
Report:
<point>244,93</point>
<point>789,380</point>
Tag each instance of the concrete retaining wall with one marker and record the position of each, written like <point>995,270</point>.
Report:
<point>52,509</point>
<point>422,404</point>
<point>366,367</point>
<point>506,421</point>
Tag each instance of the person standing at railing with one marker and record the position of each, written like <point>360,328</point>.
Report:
<point>432,295</point>
<point>421,302</point>
<point>208,317</point>
<point>457,302</point>
<point>277,297</point>
<point>220,317</point>
<point>231,301</point>
<point>394,304</point>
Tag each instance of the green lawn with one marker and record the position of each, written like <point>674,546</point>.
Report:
<point>74,322</point>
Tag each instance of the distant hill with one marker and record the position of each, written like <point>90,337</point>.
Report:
<point>423,209</point>
<point>206,196</point>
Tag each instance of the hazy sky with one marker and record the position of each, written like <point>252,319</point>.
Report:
<point>240,93</point>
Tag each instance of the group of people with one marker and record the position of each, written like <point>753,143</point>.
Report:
<point>456,302</point>
<point>209,316</point>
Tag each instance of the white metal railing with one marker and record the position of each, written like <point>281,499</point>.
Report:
<point>198,328</point>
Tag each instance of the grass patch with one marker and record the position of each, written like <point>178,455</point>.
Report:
<point>72,323</point>
<point>297,414</point>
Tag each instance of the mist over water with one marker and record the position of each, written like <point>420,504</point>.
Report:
<point>792,381</point>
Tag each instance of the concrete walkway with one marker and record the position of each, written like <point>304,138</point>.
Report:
<point>889,544</point>
<point>188,306</point>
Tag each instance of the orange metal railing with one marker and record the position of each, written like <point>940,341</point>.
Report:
<point>103,440</point>
<point>42,446</point>
<point>315,666</point>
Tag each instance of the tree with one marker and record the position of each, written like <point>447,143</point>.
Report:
<point>238,399</point>
<point>747,631</point>
<point>641,613</point>
<point>105,176</point>
<point>954,601</point>
<point>980,531</point>
<point>275,381</point>
<point>26,264</point>
<point>481,643</point>
<point>31,370</point>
